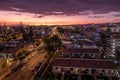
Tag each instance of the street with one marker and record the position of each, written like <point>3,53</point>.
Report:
<point>25,72</point>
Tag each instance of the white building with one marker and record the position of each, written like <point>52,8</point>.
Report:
<point>114,40</point>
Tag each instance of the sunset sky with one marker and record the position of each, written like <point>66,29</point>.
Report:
<point>59,11</point>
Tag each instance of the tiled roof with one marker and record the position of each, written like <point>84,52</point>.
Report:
<point>85,50</point>
<point>84,63</point>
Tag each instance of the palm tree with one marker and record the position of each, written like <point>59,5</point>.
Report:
<point>117,54</point>
<point>103,43</point>
<point>52,44</point>
<point>57,42</point>
<point>48,46</point>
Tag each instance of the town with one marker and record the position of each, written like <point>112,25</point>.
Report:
<point>60,52</point>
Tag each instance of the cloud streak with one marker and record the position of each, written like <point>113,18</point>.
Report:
<point>68,11</point>
<point>64,7</point>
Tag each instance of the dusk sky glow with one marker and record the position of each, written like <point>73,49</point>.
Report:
<point>59,11</point>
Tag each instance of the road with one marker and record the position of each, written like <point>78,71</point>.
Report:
<point>24,73</point>
<point>54,31</point>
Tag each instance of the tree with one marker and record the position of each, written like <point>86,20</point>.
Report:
<point>52,44</point>
<point>31,34</point>
<point>13,36</point>
<point>1,48</point>
<point>48,46</point>
<point>20,55</point>
<point>108,30</point>
<point>3,38</point>
<point>103,43</point>
<point>27,35</point>
<point>24,34</point>
<point>117,54</point>
<point>57,42</point>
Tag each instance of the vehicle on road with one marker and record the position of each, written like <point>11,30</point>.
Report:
<point>35,69</point>
<point>17,67</point>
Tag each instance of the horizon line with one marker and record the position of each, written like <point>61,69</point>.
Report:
<point>28,24</point>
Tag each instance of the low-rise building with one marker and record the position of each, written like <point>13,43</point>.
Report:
<point>114,41</point>
<point>80,53</point>
<point>77,66</point>
<point>12,44</point>
<point>10,53</point>
<point>86,43</point>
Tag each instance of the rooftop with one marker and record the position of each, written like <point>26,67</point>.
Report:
<point>84,63</point>
<point>81,50</point>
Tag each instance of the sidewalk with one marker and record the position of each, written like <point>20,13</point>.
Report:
<point>8,70</point>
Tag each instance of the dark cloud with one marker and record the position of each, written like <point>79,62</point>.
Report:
<point>18,14</point>
<point>67,7</point>
<point>40,16</point>
<point>6,1</point>
<point>95,16</point>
